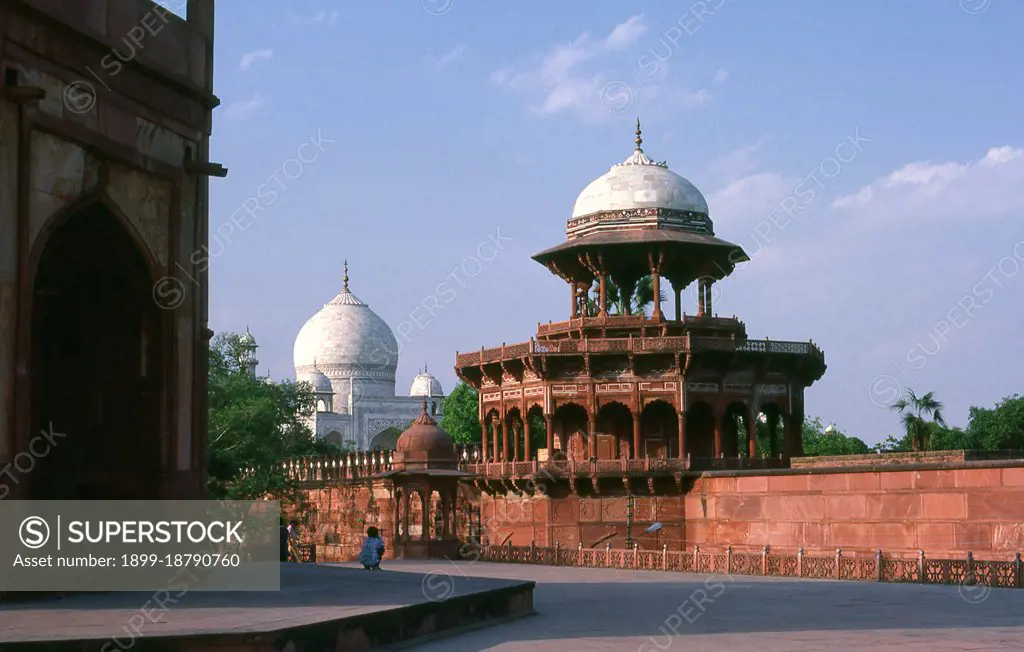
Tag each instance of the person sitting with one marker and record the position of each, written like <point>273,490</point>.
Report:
<point>372,550</point>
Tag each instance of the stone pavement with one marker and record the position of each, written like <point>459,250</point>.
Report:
<point>309,594</point>
<point>636,611</point>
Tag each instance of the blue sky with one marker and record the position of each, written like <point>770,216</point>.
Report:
<point>444,123</point>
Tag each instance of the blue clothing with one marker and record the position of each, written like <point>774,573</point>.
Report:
<point>371,552</point>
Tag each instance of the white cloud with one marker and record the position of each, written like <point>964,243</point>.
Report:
<point>721,75</point>
<point>320,18</point>
<point>256,55</point>
<point>923,190</point>
<point>449,57</point>
<point>625,34</point>
<point>244,108</point>
<point>579,77</point>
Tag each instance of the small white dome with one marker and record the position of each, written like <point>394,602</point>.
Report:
<point>321,383</point>
<point>639,182</point>
<point>346,337</point>
<point>425,385</point>
<point>247,339</point>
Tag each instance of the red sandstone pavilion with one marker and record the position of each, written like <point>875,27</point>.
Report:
<point>631,392</point>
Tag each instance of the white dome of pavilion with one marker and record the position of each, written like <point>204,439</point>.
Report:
<point>639,182</point>
<point>425,384</point>
<point>321,383</point>
<point>345,338</point>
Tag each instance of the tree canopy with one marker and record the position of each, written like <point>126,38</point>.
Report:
<point>818,442</point>
<point>253,422</point>
<point>461,417</point>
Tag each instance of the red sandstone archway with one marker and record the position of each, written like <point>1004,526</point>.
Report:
<point>536,428</point>
<point>700,431</point>
<point>659,430</point>
<point>734,428</point>
<point>571,428</point>
<point>614,431</point>
<point>96,362</point>
<point>771,430</point>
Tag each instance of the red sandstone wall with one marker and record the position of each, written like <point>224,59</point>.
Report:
<point>944,512</point>
<point>976,508</point>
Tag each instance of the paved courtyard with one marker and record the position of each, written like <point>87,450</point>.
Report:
<point>626,611</point>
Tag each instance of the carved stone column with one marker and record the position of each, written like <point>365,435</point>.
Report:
<point>751,421</point>
<point>496,436</point>
<point>484,453</point>
<point>515,427</point>
<point>592,437</point>
<point>682,434</point>
<point>526,440</point>
<point>504,441</point>
<point>636,436</point>
<point>549,424</point>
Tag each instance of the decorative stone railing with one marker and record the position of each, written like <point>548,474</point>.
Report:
<point>627,321</point>
<point>365,465</point>
<point>878,567</point>
<point>344,466</point>
<point>679,344</point>
<point>557,469</point>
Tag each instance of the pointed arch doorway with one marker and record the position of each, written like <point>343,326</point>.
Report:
<point>96,362</point>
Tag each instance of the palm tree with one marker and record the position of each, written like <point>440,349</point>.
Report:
<point>919,414</point>
<point>640,296</point>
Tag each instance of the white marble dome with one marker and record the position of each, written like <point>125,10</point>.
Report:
<point>639,182</point>
<point>321,383</point>
<point>425,384</point>
<point>346,338</point>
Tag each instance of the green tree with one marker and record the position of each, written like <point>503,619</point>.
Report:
<point>818,442</point>
<point>461,417</point>
<point>998,428</point>
<point>253,423</point>
<point>640,297</point>
<point>916,413</point>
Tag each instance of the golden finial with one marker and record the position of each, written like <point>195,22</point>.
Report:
<point>345,278</point>
<point>638,140</point>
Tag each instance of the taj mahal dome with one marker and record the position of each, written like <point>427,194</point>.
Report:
<point>350,355</point>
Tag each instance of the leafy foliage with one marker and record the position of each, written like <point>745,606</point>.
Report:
<point>818,442</point>
<point>918,413</point>
<point>253,422</point>
<point>640,296</point>
<point>461,415</point>
<point>998,428</point>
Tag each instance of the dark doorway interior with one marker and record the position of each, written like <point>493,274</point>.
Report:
<point>96,364</point>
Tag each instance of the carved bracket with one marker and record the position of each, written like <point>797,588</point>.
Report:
<point>650,484</point>
<point>625,484</point>
<point>678,477</point>
<point>572,483</point>
<point>595,482</point>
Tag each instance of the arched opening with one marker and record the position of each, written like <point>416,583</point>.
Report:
<point>537,428</point>
<point>321,405</point>
<point>415,521</point>
<point>770,431</point>
<point>614,431</point>
<point>492,448</point>
<point>334,438</point>
<point>514,433</point>
<point>385,440</point>
<point>700,431</point>
<point>734,422</point>
<point>659,430</point>
<point>571,431</point>
<point>96,364</point>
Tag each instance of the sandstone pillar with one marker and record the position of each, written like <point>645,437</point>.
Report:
<point>751,421</point>
<point>548,423</point>
<point>637,453</point>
